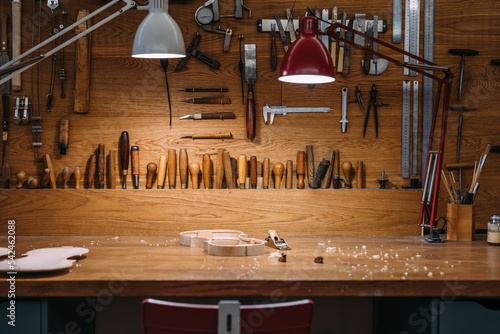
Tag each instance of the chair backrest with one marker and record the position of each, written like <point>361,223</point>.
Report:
<point>163,317</point>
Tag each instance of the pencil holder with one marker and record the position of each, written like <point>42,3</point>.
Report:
<point>461,222</point>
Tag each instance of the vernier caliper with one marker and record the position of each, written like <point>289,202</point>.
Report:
<point>283,110</point>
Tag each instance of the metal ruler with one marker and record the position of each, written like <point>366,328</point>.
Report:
<point>405,131</point>
<point>412,26</point>
<point>427,83</point>
<point>414,152</point>
<point>323,25</point>
<point>397,19</point>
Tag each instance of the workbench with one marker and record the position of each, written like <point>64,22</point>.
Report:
<point>360,266</point>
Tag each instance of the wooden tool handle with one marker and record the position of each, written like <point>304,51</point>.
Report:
<point>124,152</point>
<point>359,175</point>
<point>100,166</point>
<point>310,164</point>
<point>340,66</point>
<point>219,168</point>
<point>48,164</point>
<point>329,173</point>
<point>20,177</point>
<point>301,169</point>
<point>151,168</point>
<point>228,171</point>
<point>320,174</point>
<point>336,176</point>
<point>194,170</point>
<point>347,167</point>
<point>234,169</point>
<point>134,152</point>
<point>207,171</point>
<point>172,168</point>
<point>32,182</point>
<point>45,178</point>
<point>265,173</point>
<point>112,169</point>
<point>242,171</point>
<point>16,40</point>
<point>183,167</point>
<point>91,171</point>
<point>289,174</point>
<point>278,170</point>
<point>463,165</point>
<point>66,173</point>
<point>253,172</point>
<point>77,174</point>
<point>162,169</point>
<point>250,112</point>
<point>217,115</point>
<point>63,136</point>
<point>82,67</point>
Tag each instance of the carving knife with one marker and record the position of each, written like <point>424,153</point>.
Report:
<point>250,77</point>
<point>282,32</point>
<point>218,115</point>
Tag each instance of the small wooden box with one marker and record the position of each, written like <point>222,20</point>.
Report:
<point>461,222</point>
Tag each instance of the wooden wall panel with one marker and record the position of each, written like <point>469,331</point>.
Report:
<point>130,94</point>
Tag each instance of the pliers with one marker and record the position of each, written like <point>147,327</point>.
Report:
<point>373,102</point>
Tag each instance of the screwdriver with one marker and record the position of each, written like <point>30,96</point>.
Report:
<point>124,156</point>
<point>135,166</point>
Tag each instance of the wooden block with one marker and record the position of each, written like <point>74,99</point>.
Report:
<point>461,222</point>
<point>82,68</point>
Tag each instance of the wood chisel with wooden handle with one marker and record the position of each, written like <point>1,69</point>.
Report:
<point>100,166</point>
<point>301,169</point>
<point>162,170</point>
<point>242,171</point>
<point>172,168</point>
<point>234,168</point>
<point>90,172</point>
<point>265,173</point>
<point>124,156</point>
<point>253,172</point>
<point>48,164</point>
<point>250,78</point>
<point>112,169</point>
<point>183,167</point>
<point>16,40</point>
<point>228,171</point>
<point>347,168</point>
<point>82,67</point>
<point>219,169</point>
<point>194,170</point>
<point>151,171</point>
<point>289,174</point>
<point>278,170</point>
<point>207,171</point>
<point>134,152</point>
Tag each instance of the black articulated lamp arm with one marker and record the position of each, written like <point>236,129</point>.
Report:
<point>431,183</point>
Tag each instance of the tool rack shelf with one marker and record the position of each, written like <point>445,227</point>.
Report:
<point>168,212</point>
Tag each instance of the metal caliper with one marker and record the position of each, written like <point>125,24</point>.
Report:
<point>283,110</point>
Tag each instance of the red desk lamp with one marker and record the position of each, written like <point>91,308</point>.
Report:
<point>308,62</point>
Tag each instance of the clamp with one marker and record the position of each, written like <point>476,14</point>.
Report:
<point>228,33</point>
<point>191,51</point>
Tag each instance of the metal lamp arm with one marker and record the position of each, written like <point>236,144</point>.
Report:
<point>7,68</point>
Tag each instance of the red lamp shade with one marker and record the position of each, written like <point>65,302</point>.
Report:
<point>307,60</point>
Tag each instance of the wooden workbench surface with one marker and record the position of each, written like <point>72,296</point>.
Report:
<point>353,266</point>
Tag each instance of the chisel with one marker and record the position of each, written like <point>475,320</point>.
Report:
<point>253,172</point>
<point>234,168</point>
<point>183,167</point>
<point>219,169</point>
<point>124,156</point>
<point>194,170</point>
<point>90,171</point>
<point>48,164</point>
<point>278,170</point>
<point>265,173</point>
<point>250,78</point>
<point>134,152</point>
<point>151,168</point>
<point>112,169</point>
<point>77,174</point>
<point>242,171</point>
<point>207,171</point>
<point>172,168</point>
<point>162,169</point>
<point>228,171</point>
<point>66,173</point>
<point>100,166</point>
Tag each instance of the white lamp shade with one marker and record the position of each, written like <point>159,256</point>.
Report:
<point>158,36</point>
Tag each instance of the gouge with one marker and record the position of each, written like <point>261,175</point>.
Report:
<point>66,173</point>
<point>183,167</point>
<point>301,170</point>
<point>228,171</point>
<point>207,171</point>
<point>63,136</point>
<point>162,169</point>
<point>151,168</point>
<point>112,169</point>
<point>289,174</point>
<point>194,170</point>
<point>100,166</point>
<point>219,169</point>
<point>32,182</point>
<point>20,177</point>
<point>172,168</point>
<point>77,174</point>
<point>347,167</point>
<point>90,172</point>
<point>134,151</point>
<point>265,173</point>
<point>242,171</point>
<point>217,115</point>
<point>124,156</point>
<point>48,164</point>
<point>253,172</point>
<point>278,170</point>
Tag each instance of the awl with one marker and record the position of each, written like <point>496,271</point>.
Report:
<point>283,110</point>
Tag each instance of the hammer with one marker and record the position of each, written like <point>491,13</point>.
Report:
<point>463,53</point>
